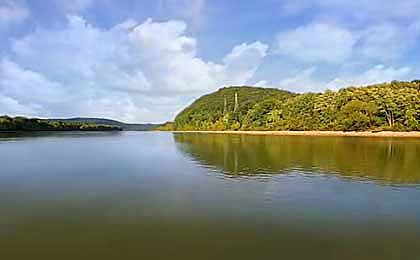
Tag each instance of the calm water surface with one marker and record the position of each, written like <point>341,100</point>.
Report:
<point>145,195</point>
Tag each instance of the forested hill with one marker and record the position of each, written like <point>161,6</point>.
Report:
<point>217,110</point>
<point>391,106</point>
<point>104,121</point>
<point>35,124</point>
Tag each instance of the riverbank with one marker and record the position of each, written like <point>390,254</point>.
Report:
<point>313,133</point>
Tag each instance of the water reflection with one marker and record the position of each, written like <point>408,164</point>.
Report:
<point>388,160</point>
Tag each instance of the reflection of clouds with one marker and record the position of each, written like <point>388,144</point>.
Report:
<point>389,160</point>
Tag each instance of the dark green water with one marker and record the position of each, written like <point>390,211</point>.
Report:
<point>144,195</point>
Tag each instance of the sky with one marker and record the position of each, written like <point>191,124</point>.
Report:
<point>145,60</point>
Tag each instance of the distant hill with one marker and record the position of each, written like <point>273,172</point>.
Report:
<point>14,124</point>
<point>104,121</point>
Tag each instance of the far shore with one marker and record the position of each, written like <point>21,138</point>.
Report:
<point>313,133</point>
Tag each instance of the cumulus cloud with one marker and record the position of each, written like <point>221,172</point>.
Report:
<point>241,63</point>
<point>12,12</point>
<point>132,72</point>
<point>316,42</point>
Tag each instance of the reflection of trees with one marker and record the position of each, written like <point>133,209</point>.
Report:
<point>389,160</point>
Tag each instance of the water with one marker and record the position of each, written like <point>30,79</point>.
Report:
<point>145,195</point>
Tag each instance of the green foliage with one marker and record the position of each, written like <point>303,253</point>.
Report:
<point>392,106</point>
<point>262,115</point>
<point>108,122</point>
<point>33,124</point>
<point>357,115</point>
<point>216,111</point>
<point>168,126</point>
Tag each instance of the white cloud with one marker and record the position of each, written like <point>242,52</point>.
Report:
<point>378,31</point>
<point>11,106</point>
<point>261,83</point>
<point>324,42</point>
<point>133,72</point>
<point>302,82</point>
<point>242,63</point>
<point>382,42</point>
<point>387,41</point>
<point>28,87</point>
<point>316,42</point>
<point>12,12</point>
<point>375,75</point>
<point>306,81</point>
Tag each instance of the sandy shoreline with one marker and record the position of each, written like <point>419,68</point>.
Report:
<point>313,133</point>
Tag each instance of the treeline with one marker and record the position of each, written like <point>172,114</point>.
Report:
<point>391,106</point>
<point>168,126</point>
<point>33,124</point>
<point>108,122</point>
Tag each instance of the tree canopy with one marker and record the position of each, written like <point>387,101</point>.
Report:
<point>34,124</point>
<point>393,106</point>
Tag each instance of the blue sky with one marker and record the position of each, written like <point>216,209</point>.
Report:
<point>143,61</point>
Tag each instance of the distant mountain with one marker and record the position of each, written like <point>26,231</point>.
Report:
<point>104,121</point>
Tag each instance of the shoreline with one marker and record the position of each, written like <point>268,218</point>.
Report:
<point>313,133</point>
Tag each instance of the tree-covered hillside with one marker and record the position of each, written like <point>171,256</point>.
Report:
<point>217,111</point>
<point>33,124</point>
<point>391,106</point>
<point>110,122</point>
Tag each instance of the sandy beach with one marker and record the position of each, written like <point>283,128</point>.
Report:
<point>313,133</point>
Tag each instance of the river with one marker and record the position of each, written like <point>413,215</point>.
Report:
<point>156,195</point>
